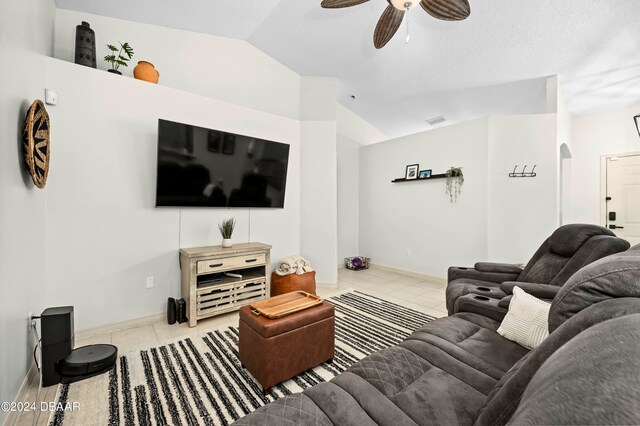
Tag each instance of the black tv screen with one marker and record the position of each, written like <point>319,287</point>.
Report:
<point>199,167</point>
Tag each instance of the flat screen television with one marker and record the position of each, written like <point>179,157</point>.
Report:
<point>199,167</point>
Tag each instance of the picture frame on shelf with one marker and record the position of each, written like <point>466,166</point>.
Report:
<point>229,144</point>
<point>424,174</point>
<point>411,172</point>
<point>213,142</point>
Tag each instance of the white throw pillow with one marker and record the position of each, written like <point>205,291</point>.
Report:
<point>527,322</point>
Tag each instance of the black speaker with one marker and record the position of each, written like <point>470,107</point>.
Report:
<point>171,311</point>
<point>56,326</point>
<point>181,311</point>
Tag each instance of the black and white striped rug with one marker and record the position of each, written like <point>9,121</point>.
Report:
<point>199,381</point>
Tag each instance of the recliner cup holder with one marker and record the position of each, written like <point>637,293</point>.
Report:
<point>483,288</point>
<point>482,298</point>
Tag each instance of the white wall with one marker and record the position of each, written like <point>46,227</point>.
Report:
<point>353,133</point>
<point>332,136</point>
<point>523,212</point>
<point>28,26</point>
<point>564,119</point>
<point>593,135</point>
<point>103,234</point>
<point>348,198</point>
<point>556,104</point>
<point>318,176</point>
<point>221,68</point>
<point>26,30</point>
<point>496,218</point>
<point>354,127</point>
<point>418,216</point>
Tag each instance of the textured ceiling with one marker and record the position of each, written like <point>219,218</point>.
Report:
<point>492,63</point>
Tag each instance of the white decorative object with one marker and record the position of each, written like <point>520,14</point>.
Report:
<point>294,265</point>
<point>527,321</point>
<point>227,242</point>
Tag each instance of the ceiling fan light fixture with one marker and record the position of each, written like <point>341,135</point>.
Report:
<point>404,4</point>
<point>394,14</point>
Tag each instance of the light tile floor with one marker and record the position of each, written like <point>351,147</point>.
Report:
<point>421,294</point>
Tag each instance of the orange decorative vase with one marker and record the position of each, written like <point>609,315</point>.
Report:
<point>146,71</point>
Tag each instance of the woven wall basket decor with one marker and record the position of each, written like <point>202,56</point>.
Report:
<point>36,143</point>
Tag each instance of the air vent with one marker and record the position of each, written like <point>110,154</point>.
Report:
<point>436,120</point>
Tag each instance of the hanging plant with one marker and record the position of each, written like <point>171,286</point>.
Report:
<point>455,179</point>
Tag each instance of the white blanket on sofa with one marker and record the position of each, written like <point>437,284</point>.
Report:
<point>293,265</point>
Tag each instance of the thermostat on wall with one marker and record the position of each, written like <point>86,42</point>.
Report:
<point>50,97</point>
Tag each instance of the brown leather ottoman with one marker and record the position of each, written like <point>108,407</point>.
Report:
<point>281,284</point>
<point>274,350</point>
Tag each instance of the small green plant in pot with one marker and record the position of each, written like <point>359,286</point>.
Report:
<point>119,57</point>
<point>455,179</point>
<point>226,230</point>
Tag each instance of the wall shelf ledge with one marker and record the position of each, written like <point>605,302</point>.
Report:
<point>440,176</point>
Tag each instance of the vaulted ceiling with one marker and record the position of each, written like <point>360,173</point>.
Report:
<point>494,62</point>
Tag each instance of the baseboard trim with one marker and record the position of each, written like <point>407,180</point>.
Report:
<point>409,272</point>
<point>327,285</point>
<point>110,328</point>
<point>33,375</point>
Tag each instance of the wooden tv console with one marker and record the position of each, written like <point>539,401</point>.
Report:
<point>208,291</point>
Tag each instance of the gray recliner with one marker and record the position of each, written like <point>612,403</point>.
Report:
<point>487,287</point>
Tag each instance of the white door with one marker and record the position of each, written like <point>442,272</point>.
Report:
<point>623,197</point>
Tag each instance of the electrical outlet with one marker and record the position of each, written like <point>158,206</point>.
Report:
<point>407,251</point>
<point>150,282</point>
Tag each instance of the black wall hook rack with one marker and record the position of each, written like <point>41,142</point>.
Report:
<point>523,173</point>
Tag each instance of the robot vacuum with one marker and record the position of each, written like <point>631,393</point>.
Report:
<point>87,361</point>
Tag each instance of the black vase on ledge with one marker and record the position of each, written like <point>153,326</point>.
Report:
<point>85,45</point>
<point>114,71</point>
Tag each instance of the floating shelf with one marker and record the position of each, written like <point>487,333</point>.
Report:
<point>440,176</point>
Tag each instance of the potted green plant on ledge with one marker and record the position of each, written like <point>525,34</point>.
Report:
<point>119,57</point>
<point>455,179</point>
<point>226,230</point>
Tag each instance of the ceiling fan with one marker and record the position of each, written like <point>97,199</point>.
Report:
<point>447,10</point>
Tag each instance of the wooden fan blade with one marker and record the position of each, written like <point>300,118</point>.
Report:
<point>335,4</point>
<point>447,10</point>
<point>387,26</point>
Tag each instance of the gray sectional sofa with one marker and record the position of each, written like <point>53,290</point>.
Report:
<point>459,371</point>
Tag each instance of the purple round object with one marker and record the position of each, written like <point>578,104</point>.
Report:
<point>356,262</point>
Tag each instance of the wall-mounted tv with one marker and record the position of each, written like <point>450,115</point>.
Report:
<point>199,167</point>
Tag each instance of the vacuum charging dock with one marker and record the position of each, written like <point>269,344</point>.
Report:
<point>61,363</point>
